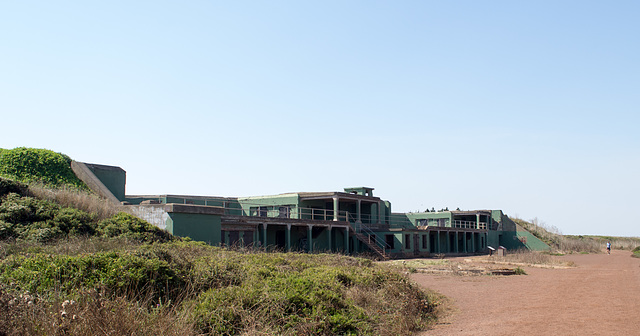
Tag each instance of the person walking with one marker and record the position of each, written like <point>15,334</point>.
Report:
<point>609,247</point>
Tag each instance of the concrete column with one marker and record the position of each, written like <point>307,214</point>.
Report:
<point>359,211</point>
<point>310,239</point>
<point>330,248</point>
<point>288,237</point>
<point>438,242</point>
<point>346,240</point>
<point>473,242</point>
<point>477,221</point>
<point>380,213</point>
<point>335,208</point>
<point>264,235</point>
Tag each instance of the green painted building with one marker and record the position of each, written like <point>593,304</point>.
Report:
<point>350,221</point>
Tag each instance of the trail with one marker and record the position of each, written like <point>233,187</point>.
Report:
<point>601,296</point>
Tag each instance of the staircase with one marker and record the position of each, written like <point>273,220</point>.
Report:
<point>372,244</point>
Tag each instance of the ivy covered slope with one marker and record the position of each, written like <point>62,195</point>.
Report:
<point>38,165</point>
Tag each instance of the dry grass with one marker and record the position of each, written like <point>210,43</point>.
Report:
<point>529,258</point>
<point>90,314</point>
<point>68,197</point>
<point>574,244</point>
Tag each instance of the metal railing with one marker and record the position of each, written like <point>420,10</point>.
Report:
<point>469,225</point>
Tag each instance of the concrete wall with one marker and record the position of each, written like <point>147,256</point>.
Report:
<point>200,227</point>
<point>153,213</point>
<point>114,178</point>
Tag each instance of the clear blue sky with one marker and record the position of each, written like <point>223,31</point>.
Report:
<point>530,107</point>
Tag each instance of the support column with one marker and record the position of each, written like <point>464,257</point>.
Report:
<point>336,209</point>
<point>380,213</point>
<point>288,232</point>
<point>310,239</point>
<point>264,235</point>
<point>330,247</point>
<point>477,221</point>
<point>473,242</point>
<point>359,211</point>
<point>466,249</point>
<point>346,240</point>
<point>438,242</point>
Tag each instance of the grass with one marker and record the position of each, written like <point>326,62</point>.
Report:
<point>71,263</point>
<point>636,252</point>
<point>575,244</point>
<point>191,288</point>
<point>531,258</point>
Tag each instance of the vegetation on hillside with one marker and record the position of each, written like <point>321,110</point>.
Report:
<point>636,252</point>
<point>24,217</point>
<point>38,165</point>
<point>580,244</point>
<point>69,265</point>
<point>201,289</point>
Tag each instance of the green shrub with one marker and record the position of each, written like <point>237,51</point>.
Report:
<point>129,226</point>
<point>39,165</point>
<point>119,273</point>
<point>9,186</point>
<point>39,220</point>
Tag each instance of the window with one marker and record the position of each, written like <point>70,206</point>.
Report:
<point>284,211</point>
<point>407,241</point>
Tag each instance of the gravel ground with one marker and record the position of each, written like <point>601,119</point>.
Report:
<point>601,296</point>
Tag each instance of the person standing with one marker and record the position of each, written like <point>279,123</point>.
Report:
<point>609,247</point>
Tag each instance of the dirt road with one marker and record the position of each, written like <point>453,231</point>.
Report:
<point>601,296</point>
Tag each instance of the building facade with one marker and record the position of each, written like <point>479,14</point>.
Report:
<point>351,221</point>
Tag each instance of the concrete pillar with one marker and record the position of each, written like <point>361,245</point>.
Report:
<point>477,221</point>
<point>346,240</point>
<point>359,211</point>
<point>356,246</point>
<point>473,242</point>
<point>438,242</point>
<point>288,237</point>
<point>329,234</point>
<point>381,218</point>
<point>466,249</point>
<point>335,208</point>
<point>264,235</point>
<point>310,239</point>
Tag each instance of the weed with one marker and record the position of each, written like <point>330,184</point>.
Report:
<point>520,271</point>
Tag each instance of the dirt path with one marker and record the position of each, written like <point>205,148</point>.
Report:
<point>601,296</point>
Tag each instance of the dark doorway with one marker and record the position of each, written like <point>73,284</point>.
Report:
<point>390,240</point>
<point>281,239</point>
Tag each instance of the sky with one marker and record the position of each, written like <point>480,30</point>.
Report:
<point>531,107</point>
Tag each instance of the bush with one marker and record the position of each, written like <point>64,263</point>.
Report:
<point>9,186</point>
<point>118,273</point>
<point>39,165</point>
<point>129,226</point>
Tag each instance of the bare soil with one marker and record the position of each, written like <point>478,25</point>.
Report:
<point>600,296</point>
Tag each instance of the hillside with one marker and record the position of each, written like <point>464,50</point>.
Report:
<point>67,268</point>
<point>569,243</point>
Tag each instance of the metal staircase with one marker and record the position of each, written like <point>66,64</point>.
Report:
<point>369,238</point>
